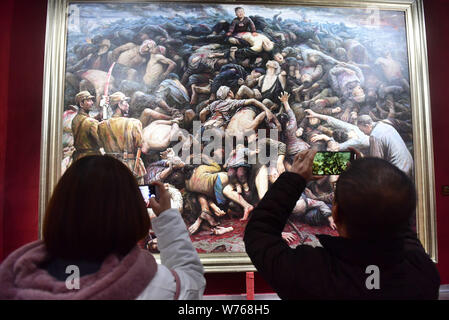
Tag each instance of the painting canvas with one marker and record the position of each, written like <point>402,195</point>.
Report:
<point>216,99</point>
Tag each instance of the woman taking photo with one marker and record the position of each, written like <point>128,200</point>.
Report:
<point>89,250</point>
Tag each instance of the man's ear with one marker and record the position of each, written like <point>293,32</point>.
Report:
<point>341,228</point>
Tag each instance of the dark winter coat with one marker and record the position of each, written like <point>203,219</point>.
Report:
<point>341,268</point>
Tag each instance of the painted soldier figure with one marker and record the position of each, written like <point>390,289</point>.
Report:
<point>84,128</point>
<point>121,137</point>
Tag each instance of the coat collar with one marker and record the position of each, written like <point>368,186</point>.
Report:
<point>381,252</point>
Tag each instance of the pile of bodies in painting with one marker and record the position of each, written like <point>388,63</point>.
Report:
<point>317,84</point>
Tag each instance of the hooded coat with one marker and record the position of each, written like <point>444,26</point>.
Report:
<point>24,275</point>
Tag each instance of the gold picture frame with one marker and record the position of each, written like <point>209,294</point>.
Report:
<point>53,99</point>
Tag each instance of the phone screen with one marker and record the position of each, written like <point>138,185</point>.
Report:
<point>147,192</point>
<point>331,163</point>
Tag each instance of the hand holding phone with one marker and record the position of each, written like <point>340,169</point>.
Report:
<point>311,164</point>
<point>331,162</point>
<point>162,199</point>
<point>302,164</point>
<point>148,191</point>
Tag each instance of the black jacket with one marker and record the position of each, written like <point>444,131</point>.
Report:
<point>338,270</point>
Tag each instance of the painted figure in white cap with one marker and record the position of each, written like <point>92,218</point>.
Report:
<point>158,67</point>
<point>130,57</point>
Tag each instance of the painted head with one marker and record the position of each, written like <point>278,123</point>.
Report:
<point>85,100</point>
<point>278,57</point>
<point>239,12</point>
<point>146,46</point>
<point>119,100</point>
<point>365,124</point>
<point>224,92</point>
<point>357,94</point>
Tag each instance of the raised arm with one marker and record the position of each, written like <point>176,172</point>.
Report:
<point>313,114</point>
<point>175,246</point>
<point>171,64</point>
<point>260,105</point>
<point>118,51</point>
<point>204,113</point>
<point>290,272</point>
<point>284,99</point>
<point>165,173</point>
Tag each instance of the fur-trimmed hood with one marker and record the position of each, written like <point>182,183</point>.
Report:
<point>22,278</point>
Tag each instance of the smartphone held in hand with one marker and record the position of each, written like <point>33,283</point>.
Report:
<point>331,162</point>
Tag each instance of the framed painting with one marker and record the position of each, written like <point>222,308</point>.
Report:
<point>226,93</point>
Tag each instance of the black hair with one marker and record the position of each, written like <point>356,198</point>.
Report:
<point>96,209</point>
<point>139,102</point>
<point>177,179</point>
<point>238,8</point>
<point>375,199</point>
<point>283,120</point>
<point>340,135</point>
<point>188,170</point>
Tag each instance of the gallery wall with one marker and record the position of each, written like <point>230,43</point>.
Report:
<point>437,24</point>
<point>21,76</point>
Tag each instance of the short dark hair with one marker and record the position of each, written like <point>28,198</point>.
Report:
<point>96,209</point>
<point>364,120</point>
<point>188,170</point>
<point>177,179</point>
<point>375,199</point>
<point>238,8</point>
<point>260,70</point>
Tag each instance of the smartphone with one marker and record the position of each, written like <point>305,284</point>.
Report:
<point>148,191</point>
<point>331,162</point>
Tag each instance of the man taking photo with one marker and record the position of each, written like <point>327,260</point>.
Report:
<point>376,256</point>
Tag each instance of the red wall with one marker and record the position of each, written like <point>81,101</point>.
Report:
<point>437,23</point>
<point>22,110</point>
<point>5,26</point>
<point>21,60</point>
